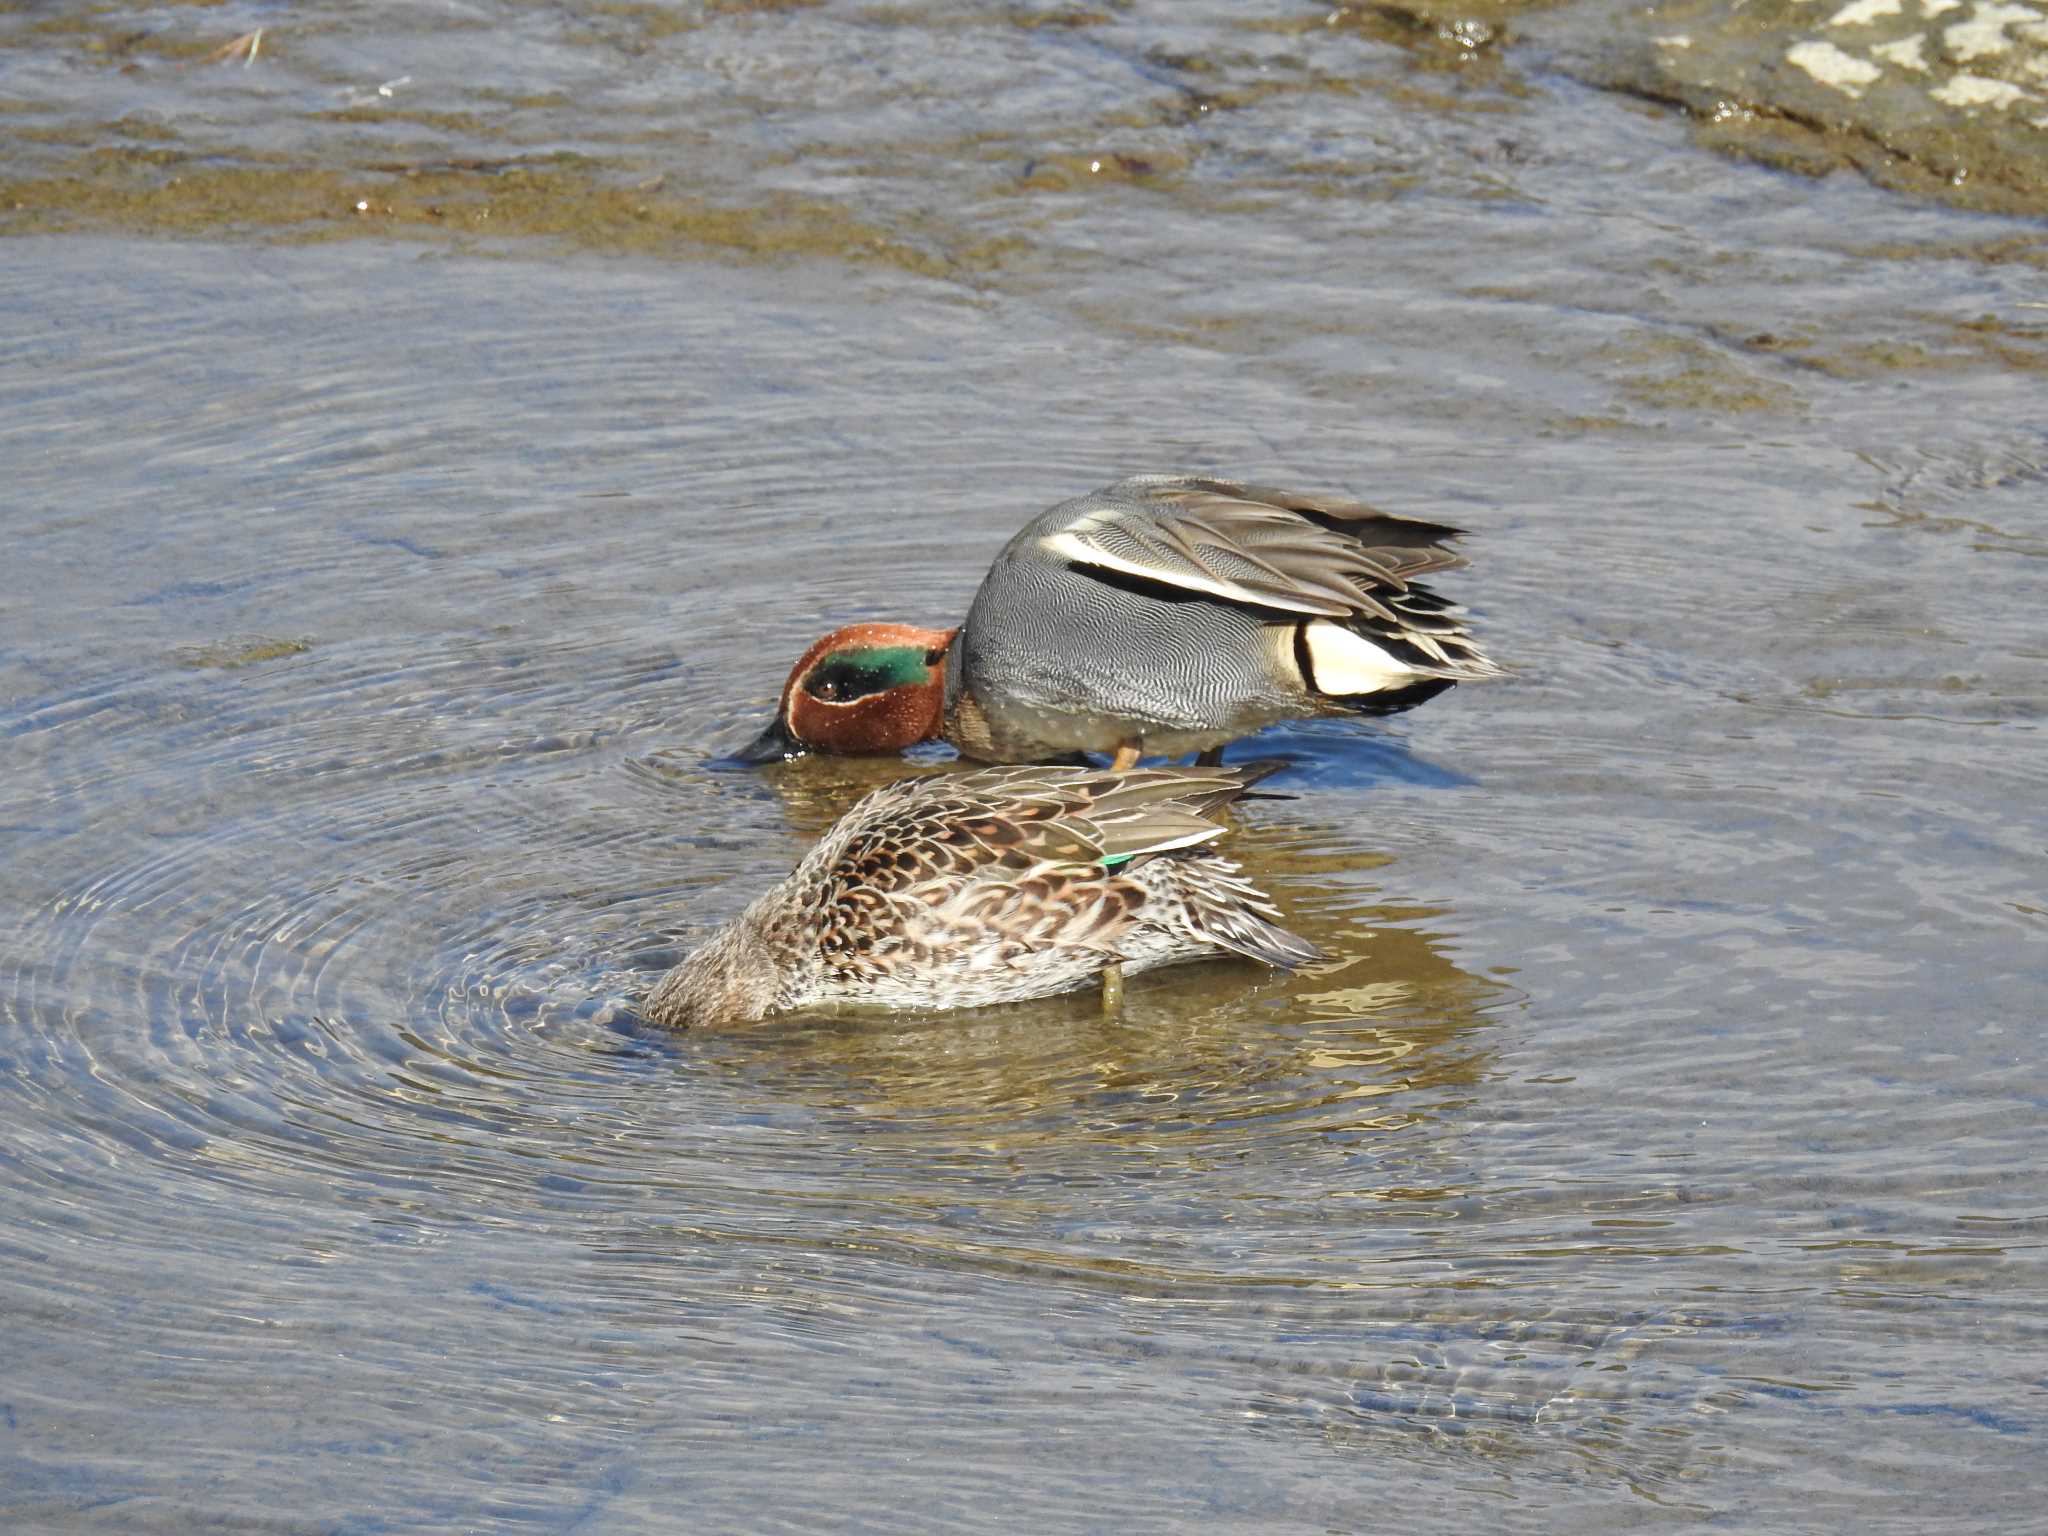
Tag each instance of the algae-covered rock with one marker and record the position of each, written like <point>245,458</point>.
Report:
<point>1945,97</point>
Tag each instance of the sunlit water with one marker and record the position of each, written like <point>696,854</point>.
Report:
<point>1661,1145</point>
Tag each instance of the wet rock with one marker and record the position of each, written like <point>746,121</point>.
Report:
<point>1942,97</point>
<point>1454,29</point>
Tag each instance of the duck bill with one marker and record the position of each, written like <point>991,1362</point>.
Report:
<point>772,746</point>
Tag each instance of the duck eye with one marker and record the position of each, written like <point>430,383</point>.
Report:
<point>837,684</point>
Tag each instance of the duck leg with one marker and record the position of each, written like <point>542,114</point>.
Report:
<point>1126,757</point>
<point>1209,757</point>
<point>1112,988</point>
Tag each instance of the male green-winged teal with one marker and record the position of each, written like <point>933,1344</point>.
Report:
<point>958,890</point>
<point>1163,614</point>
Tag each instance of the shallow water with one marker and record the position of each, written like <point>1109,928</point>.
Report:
<point>1661,1146</point>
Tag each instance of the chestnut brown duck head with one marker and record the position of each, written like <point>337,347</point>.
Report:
<point>865,690</point>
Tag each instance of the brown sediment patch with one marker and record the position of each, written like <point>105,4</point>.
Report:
<point>1948,346</point>
<point>382,114</point>
<point>1071,171</point>
<point>1069,18</point>
<point>1576,426</point>
<point>106,34</point>
<point>635,24</point>
<point>240,651</point>
<point>565,197</point>
<point>1684,373</point>
<point>2004,250</point>
<point>1198,330</point>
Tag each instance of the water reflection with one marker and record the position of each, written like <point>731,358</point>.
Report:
<point>1383,1034</point>
<point>359,694</point>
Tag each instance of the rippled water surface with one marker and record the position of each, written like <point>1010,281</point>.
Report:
<point>1662,1145</point>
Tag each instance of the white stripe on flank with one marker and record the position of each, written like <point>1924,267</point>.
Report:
<point>1342,661</point>
<point>1069,546</point>
<point>1176,571</point>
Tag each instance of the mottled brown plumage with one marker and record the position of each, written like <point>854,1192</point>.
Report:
<point>965,889</point>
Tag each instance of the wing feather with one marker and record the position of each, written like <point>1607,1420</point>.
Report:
<point>1262,548</point>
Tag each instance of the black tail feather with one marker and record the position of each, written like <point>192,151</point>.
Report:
<point>1393,701</point>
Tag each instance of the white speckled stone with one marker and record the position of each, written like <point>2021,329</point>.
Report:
<point>1832,67</point>
<point>1984,33</point>
<point>1904,52</point>
<point>1978,91</point>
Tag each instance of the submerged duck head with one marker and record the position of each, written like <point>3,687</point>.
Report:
<point>865,689</point>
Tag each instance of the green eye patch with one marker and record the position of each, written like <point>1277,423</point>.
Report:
<point>855,674</point>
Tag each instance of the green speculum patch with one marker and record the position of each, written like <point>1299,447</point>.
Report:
<point>855,674</point>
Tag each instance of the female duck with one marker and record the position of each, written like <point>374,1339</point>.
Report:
<point>1161,614</point>
<point>960,890</point>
